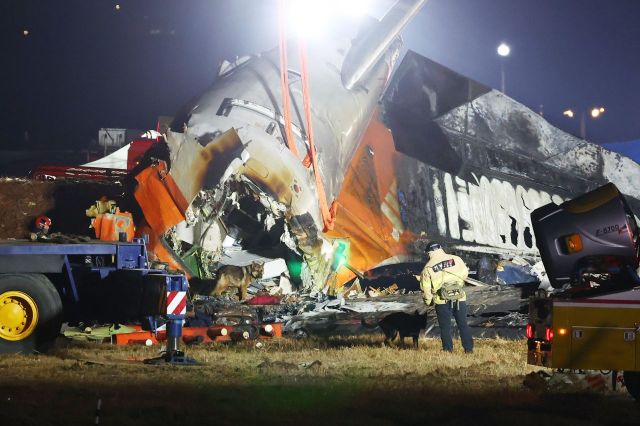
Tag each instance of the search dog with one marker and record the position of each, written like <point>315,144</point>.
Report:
<point>238,277</point>
<point>400,323</point>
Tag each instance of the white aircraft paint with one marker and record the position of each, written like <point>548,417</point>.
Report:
<point>488,211</point>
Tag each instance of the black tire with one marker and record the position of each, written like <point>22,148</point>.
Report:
<point>47,300</point>
<point>632,382</point>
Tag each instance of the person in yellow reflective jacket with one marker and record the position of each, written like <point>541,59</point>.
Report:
<point>442,283</point>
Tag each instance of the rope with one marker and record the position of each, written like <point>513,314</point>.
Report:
<point>284,79</point>
<point>328,213</point>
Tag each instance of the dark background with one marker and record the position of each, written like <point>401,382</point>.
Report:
<point>85,65</point>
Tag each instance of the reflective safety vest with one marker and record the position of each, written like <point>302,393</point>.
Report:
<point>108,226</point>
<point>441,273</point>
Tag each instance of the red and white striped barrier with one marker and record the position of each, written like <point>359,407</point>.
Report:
<point>176,303</point>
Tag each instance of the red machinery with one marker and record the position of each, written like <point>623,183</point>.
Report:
<point>137,148</point>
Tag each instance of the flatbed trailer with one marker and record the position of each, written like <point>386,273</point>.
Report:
<point>44,284</point>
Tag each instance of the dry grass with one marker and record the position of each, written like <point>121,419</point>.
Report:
<point>357,380</point>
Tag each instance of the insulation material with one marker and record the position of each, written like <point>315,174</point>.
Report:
<point>285,285</point>
<point>272,267</point>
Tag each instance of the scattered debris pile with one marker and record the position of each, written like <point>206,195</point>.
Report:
<point>493,310</point>
<point>578,381</point>
<point>276,296</point>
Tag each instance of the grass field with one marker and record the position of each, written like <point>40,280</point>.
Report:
<point>354,381</point>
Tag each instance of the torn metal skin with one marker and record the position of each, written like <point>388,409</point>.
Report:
<point>225,177</point>
<point>230,160</point>
<point>440,157</point>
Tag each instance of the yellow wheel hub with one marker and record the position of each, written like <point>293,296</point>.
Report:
<point>18,315</point>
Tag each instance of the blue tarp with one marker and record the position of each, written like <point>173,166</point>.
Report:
<point>510,273</point>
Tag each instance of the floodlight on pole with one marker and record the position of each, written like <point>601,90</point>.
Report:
<point>503,51</point>
<point>310,18</point>
<point>595,112</point>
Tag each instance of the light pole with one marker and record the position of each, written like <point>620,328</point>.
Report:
<point>595,112</point>
<point>503,51</point>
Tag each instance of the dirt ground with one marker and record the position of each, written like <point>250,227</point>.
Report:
<point>22,200</point>
<point>286,382</point>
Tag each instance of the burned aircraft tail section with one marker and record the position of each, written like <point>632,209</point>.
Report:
<point>471,164</point>
<point>421,91</point>
<point>464,165</point>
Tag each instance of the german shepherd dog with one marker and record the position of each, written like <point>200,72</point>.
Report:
<point>237,277</point>
<point>404,324</point>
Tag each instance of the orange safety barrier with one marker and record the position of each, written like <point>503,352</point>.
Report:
<point>276,330</point>
<point>136,338</point>
<point>211,334</point>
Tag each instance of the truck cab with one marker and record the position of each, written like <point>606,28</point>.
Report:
<point>591,320</point>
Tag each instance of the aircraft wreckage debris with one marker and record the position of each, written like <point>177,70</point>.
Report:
<point>494,311</point>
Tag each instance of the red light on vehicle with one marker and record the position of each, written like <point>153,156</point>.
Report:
<point>548,334</point>
<point>573,243</point>
<point>529,331</point>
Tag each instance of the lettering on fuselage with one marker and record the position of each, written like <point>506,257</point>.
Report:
<point>486,211</point>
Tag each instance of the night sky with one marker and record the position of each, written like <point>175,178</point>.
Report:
<point>85,65</point>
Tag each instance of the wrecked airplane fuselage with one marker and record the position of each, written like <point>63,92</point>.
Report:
<point>229,157</point>
<point>465,165</point>
<point>443,158</point>
<point>496,160</point>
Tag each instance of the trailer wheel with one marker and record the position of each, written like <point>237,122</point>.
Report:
<point>30,313</point>
<point>632,382</point>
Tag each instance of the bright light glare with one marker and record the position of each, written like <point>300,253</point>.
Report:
<point>568,113</point>
<point>310,18</point>
<point>354,7</point>
<point>597,112</point>
<point>117,7</point>
<point>504,49</point>
<point>25,33</point>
